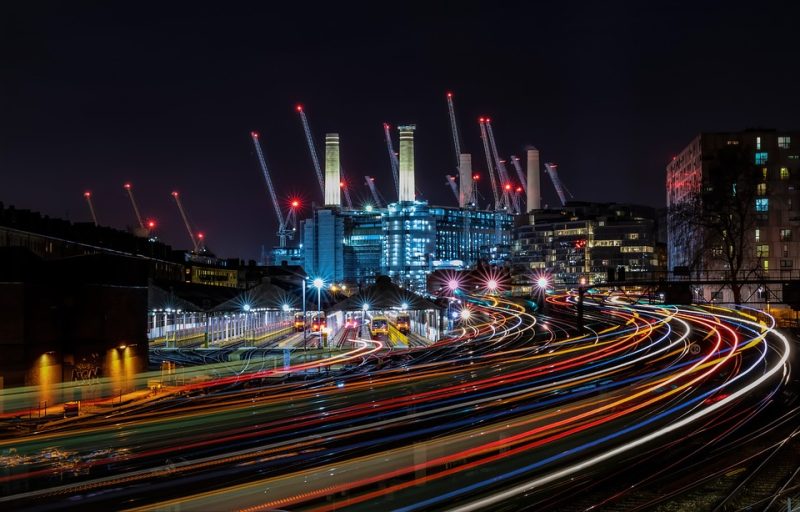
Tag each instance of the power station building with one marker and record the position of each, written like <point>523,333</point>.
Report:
<point>406,240</point>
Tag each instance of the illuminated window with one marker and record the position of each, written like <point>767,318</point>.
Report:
<point>784,173</point>
<point>758,235</point>
<point>761,157</point>
<point>784,142</point>
<point>765,264</point>
<point>762,250</point>
<point>761,189</point>
<point>785,251</point>
<point>758,142</point>
<point>762,204</point>
<point>786,235</point>
<point>764,174</point>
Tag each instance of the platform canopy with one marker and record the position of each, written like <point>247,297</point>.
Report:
<point>384,295</point>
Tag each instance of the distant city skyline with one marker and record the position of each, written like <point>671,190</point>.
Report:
<point>95,96</point>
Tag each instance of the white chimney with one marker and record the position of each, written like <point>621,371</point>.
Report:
<point>406,178</point>
<point>534,190</point>
<point>333,191</point>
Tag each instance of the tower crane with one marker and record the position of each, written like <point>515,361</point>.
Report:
<point>520,174</point>
<point>88,196</point>
<point>552,171</point>
<point>375,195</point>
<point>311,149</point>
<point>454,129</point>
<point>129,188</point>
<point>392,157</point>
<point>286,227</point>
<point>451,180</point>
<point>485,138</point>
<point>501,166</point>
<point>195,244</point>
<point>346,190</point>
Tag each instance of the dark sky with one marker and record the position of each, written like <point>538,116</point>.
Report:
<point>93,94</point>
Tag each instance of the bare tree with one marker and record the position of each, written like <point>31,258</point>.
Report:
<point>722,215</point>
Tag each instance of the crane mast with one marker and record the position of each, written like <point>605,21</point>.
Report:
<point>177,198</point>
<point>489,165</point>
<point>392,157</point>
<point>520,174</point>
<point>284,231</point>
<point>454,128</point>
<point>451,180</point>
<point>129,189</point>
<point>375,196</point>
<point>346,191</point>
<point>312,150</point>
<point>552,171</point>
<point>88,196</point>
<point>501,166</point>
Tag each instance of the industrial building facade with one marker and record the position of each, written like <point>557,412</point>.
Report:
<point>405,241</point>
<point>770,246</point>
<point>582,241</point>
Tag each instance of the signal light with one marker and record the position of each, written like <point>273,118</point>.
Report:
<point>254,134</point>
<point>299,108</point>
<point>295,203</point>
<point>508,186</point>
<point>519,189</point>
<point>201,236</point>
<point>127,186</point>
<point>174,194</point>
<point>449,94</point>
<point>87,194</point>
<point>151,224</point>
<point>476,177</point>
<point>481,120</point>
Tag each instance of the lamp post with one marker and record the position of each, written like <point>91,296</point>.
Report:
<point>318,284</point>
<point>541,284</point>
<point>305,332</point>
<point>246,309</point>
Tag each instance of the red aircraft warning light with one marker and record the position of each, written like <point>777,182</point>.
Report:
<point>299,107</point>
<point>449,94</point>
<point>87,194</point>
<point>476,177</point>
<point>127,186</point>
<point>508,186</point>
<point>295,203</point>
<point>174,194</point>
<point>254,134</point>
<point>201,236</point>
<point>151,223</point>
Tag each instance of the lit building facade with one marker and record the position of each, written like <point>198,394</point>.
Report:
<point>772,245</point>
<point>405,241</point>
<point>323,246</point>
<point>584,241</point>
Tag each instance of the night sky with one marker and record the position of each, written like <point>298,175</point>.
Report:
<point>93,94</point>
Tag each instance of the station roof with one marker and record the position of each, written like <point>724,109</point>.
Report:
<point>384,295</point>
<point>265,295</point>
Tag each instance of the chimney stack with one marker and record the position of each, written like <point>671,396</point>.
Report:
<point>464,179</point>
<point>333,191</point>
<point>406,177</point>
<point>534,191</point>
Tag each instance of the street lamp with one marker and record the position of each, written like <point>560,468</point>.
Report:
<point>318,284</point>
<point>246,309</point>
<point>542,283</point>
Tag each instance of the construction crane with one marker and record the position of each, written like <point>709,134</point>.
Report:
<point>520,174</point>
<point>485,138</point>
<point>88,196</point>
<point>392,157</point>
<point>454,128</point>
<point>451,180</point>
<point>552,171</point>
<point>286,229</point>
<point>139,219</point>
<point>375,195</point>
<point>195,246</point>
<point>501,166</point>
<point>346,190</point>
<point>312,150</point>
